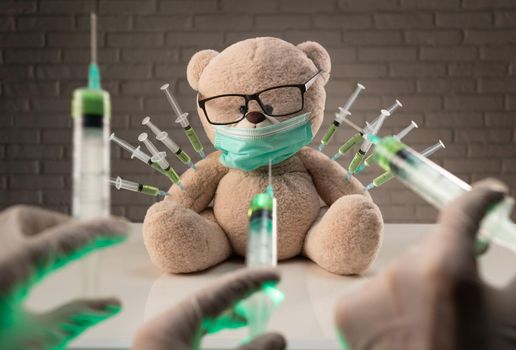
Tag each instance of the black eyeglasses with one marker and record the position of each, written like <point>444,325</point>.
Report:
<point>278,101</point>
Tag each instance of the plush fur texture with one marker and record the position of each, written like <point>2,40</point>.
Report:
<point>183,234</point>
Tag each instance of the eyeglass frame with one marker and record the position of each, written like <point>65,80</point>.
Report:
<point>254,97</point>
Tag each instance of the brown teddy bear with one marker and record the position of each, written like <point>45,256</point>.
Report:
<point>342,233</point>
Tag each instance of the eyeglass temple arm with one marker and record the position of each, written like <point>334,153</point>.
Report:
<point>312,80</point>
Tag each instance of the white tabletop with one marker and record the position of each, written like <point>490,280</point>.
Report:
<point>305,317</point>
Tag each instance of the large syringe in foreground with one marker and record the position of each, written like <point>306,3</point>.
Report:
<point>340,117</point>
<point>261,253</point>
<point>438,186</point>
<point>182,119</point>
<point>120,183</point>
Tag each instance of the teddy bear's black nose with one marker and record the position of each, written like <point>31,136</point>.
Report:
<point>255,117</point>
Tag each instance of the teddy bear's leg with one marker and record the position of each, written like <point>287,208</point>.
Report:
<point>179,240</point>
<point>346,238</point>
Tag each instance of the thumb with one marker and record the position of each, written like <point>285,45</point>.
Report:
<point>68,321</point>
<point>267,341</point>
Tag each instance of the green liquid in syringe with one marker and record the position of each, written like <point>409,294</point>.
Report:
<point>150,190</point>
<point>329,134</point>
<point>194,139</point>
<point>183,157</point>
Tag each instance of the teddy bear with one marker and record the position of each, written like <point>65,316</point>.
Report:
<point>321,216</point>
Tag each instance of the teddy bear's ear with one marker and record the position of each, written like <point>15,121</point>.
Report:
<point>197,63</point>
<point>319,57</point>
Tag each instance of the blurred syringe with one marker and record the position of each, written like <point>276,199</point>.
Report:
<point>261,253</point>
<point>169,143</point>
<point>182,119</point>
<point>120,183</point>
<point>438,187</point>
<point>388,175</point>
<point>340,117</point>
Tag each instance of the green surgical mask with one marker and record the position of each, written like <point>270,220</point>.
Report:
<point>249,149</point>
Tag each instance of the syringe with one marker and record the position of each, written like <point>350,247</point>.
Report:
<point>438,186</point>
<point>182,119</point>
<point>340,116</point>
<point>169,143</point>
<point>388,175</point>
<point>369,160</point>
<point>160,158</point>
<point>366,145</point>
<point>120,183</point>
<point>261,253</point>
<point>138,153</point>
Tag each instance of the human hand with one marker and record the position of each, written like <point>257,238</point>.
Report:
<point>33,243</point>
<point>432,297</point>
<point>208,311</point>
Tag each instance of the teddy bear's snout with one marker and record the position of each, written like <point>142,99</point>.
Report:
<point>255,117</point>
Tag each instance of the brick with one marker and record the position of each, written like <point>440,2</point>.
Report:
<point>477,69</point>
<point>13,7</point>
<point>58,167</point>
<point>215,23</point>
<point>14,105</point>
<point>12,197</point>
<point>444,86</point>
<point>387,54</point>
<point>136,40</point>
<point>126,7</point>
<point>484,136</point>
<point>58,197</point>
<point>249,6</point>
<point>83,56</point>
<point>391,86</point>
<point>162,23</point>
<point>403,20</point>
<point>417,70</point>
<point>137,213</point>
<point>141,88</point>
<point>21,40</point>
<point>7,23</point>
<point>433,37</point>
<point>342,54</point>
<point>497,53</point>
<point>430,4</point>
<point>57,136</point>
<point>496,86</point>
<point>198,39</point>
<point>307,6</point>
<point>417,102</point>
<point>31,88</point>
<point>406,197</point>
<point>397,212</point>
<point>454,119</point>
<point>233,37</point>
<point>127,71</point>
<point>509,165</point>
<point>282,22</point>
<point>71,40</point>
<point>489,37</point>
<point>500,119</point>
<point>505,19</point>
<point>117,22</point>
<point>510,102</point>
<point>357,70</point>
<point>464,20</point>
<point>67,7</point>
<point>50,105</point>
<point>348,21</point>
<point>21,56</point>
<point>367,5</point>
<point>324,37</point>
<point>40,23</point>
<point>36,182</point>
<point>10,72</point>
<point>187,6</point>
<point>150,56</point>
<point>170,71</point>
<point>61,72</point>
<point>473,103</point>
<point>16,167</point>
<point>489,150</point>
<point>128,104</point>
<point>372,38</point>
<point>448,54</point>
<point>488,4</point>
<point>426,137</point>
<point>477,165</point>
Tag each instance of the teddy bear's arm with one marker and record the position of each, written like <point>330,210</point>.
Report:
<point>328,176</point>
<point>199,185</point>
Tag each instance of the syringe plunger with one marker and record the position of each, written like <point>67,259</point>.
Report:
<point>135,152</point>
<point>353,97</point>
<point>154,128</point>
<point>167,141</point>
<point>143,137</point>
<point>181,117</point>
<point>406,130</point>
<point>432,149</point>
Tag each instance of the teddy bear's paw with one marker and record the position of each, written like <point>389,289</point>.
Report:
<point>347,238</point>
<point>179,240</point>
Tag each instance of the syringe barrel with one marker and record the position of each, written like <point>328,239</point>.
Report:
<point>138,153</point>
<point>150,190</point>
<point>261,246</point>
<point>167,141</point>
<point>353,140</point>
<point>160,159</point>
<point>126,184</point>
<point>329,133</point>
<point>172,100</point>
<point>194,139</point>
<point>385,177</point>
<point>357,159</point>
<point>353,97</point>
<point>121,143</point>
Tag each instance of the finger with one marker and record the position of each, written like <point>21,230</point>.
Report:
<point>54,248</point>
<point>462,216</point>
<point>25,220</point>
<point>268,341</point>
<point>235,287</point>
<point>65,323</point>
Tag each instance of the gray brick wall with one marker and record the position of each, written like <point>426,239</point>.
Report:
<point>451,62</point>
